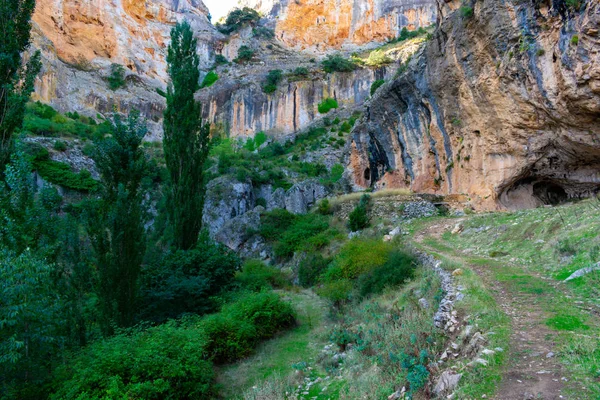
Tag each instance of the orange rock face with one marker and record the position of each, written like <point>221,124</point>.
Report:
<point>333,24</point>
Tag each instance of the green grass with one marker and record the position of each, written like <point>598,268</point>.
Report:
<point>276,357</point>
<point>533,250</point>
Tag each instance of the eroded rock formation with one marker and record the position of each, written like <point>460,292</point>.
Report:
<point>503,105</point>
<point>333,24</point>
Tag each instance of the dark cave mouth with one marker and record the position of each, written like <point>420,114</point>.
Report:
<point>534,192</point>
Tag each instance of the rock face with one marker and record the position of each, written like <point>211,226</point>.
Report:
<point>502,105</point>
<point>80,39</point>
<point>321,25</point>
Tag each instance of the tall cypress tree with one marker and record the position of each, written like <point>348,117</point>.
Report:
<point>16,80</point>
<point>116,224</point>
<point>186,139</point>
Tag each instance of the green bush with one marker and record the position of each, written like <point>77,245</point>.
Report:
<point>299,234</point>
<point>300,72</point>
<point>116,79</point>
<point>358,219</point>
<point>273,79</point>
<point>337,171</point>
<point>324,207</point>
<point>346,127</point>
<point>164,362</point>
<point>361,256</point>
<point>378,58</point>
<point>326,105</point>
<point>61,174</point>
<point>228,339</point>
<point>376,85</point>
<point>237,18</point>
<point>245,54</point>
<point>220,59</point>
<point>209,79</point>
<point>41,110</point>
<point>575,40</point>
<point>256,275</point>
<point>397,269</point>
<point>338,292</point>
<point>311,268</point>
<point>185,281</point>
<point>265,310</point>
<point>59,145</point>
<point>466,11</point>
<point>342,337</point>
<point>405,34</point>
<point>337,63</point>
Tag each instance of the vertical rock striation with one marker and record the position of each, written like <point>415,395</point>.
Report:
<point>503,105</point>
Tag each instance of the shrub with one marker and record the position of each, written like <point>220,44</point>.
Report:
<point>220,59</point>
<point>575,40</point>
<point>326,105</point>
<point>345,127</point>
<point>59,145</point>
<point>360,256</point>
<point>376,85</point>
<point>304,228</point>
<point>166,361</point>
<point>274,223</point>
<point>338,292</point>
<point>300,72</point>
<point>41,110</point>
<point>342,337</point>
<point>116,79</point>
<point>273,78</point>
<point>256,275</point>
<point>378,58</point>
<point>209,79</point>
<point>358,218</point>
<point>466,11</point>
<point>311,268</point>
<point>337,171</point>
<point>228,339</point>
<point>238,18</point>
<point>184,281</point>
<point>337,63</point>
<point>324,207</point>
<point>245,54</point>
<point>397,269</point>
<point>61,174</point>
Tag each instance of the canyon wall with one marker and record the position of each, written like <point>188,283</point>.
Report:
<point>503,105</point>
<point>79,40</point>
<point>322,25</point>
<point>241,108</point>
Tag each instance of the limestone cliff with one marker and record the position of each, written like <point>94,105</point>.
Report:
<point>80,39</point>
<point>322,25</point>
<point>502,104</point>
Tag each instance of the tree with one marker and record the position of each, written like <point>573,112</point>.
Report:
<point>186,139</point>
<point>30,313</point>
<point>16,79</point>
<point>116,223</point>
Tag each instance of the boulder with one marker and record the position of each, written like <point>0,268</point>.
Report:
<point>446,383</point>
<point>226,198</point>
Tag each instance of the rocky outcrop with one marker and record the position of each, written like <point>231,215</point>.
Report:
<point>232,209</point>
<point>321,25</point>
<point>80,39</point>
<point>502,104</point>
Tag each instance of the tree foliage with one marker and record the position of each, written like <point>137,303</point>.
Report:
<point>16,79</point>
<point>186,139</point>
<point>238,18</point>
<point>116,223</point>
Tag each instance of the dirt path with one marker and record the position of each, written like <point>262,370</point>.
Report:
<point>531,371</point>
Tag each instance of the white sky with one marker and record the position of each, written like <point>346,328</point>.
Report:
<point>219,8</point>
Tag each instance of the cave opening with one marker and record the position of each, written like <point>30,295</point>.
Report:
<point>550,193</point>
<point>367,174</point>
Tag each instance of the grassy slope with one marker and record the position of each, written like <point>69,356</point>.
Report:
<point>530,252</point>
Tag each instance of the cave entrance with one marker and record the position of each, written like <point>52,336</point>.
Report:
<point>549,193</point>
<point>367,174</point>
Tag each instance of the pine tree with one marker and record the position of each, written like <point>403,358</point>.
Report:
<point>16,80</point>
<point>186,139</point>
<point>116,223</point>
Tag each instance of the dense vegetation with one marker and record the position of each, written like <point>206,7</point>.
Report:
<point>238,18</point>
<point>16,78</point>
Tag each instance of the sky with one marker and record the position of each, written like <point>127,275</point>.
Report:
<point>219,8</point>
